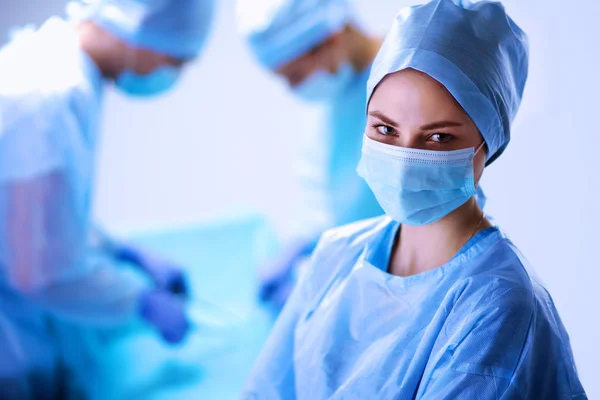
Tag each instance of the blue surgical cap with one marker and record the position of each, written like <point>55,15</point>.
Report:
<point>177,28</point>
<point>474,49</point>
<point>279,31</point>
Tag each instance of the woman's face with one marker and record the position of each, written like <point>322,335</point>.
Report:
<point>411,109</point>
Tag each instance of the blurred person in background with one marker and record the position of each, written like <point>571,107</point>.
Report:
<point>51,269</point>
<point>324,56</point>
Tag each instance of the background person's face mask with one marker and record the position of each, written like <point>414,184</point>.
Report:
<point>417,187</point>
<point>322,85</point>
<point>157,82</point>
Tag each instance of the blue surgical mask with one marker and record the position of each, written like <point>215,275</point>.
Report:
<point>154,83</point>
<point>322,85</point>
<point>417,187</point>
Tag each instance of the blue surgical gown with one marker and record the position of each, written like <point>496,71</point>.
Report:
<point>478,327</point>
<point>50,277</point>
<point>332,192</point>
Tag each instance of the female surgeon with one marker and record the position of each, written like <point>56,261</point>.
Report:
<point>430,301</point>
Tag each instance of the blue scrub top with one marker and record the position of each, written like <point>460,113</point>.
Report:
<point>479,326</point>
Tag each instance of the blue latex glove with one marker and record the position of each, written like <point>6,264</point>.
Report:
<point>166,313</point>
<point>277,277</point>
<point>166,275</point>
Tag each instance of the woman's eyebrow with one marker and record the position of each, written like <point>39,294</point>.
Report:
<point>440,124</point>
<point>381,116</point>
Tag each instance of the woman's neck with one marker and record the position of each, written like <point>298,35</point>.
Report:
<point>421,248</point>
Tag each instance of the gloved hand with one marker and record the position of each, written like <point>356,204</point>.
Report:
<point>277,277</point>
<point>165,274</point>
<point>166,313</point>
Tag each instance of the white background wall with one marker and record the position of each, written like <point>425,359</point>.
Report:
<point>222,142</point>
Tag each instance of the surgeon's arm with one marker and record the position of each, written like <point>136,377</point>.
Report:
<point>273,374</point>
<point>46,256</point>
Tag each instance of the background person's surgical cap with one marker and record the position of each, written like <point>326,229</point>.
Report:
<point>178,28</point>
<point>279,31</point>
<point>475,50</point>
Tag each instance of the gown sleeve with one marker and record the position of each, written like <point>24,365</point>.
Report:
<point>499,344</point>
<point>273,374</point>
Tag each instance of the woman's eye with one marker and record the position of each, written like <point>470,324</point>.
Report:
<point>441,137</point>
<point>385,130</point>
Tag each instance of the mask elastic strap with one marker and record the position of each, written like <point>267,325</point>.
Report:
<point>477,151</point>
<point>479,148</point>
